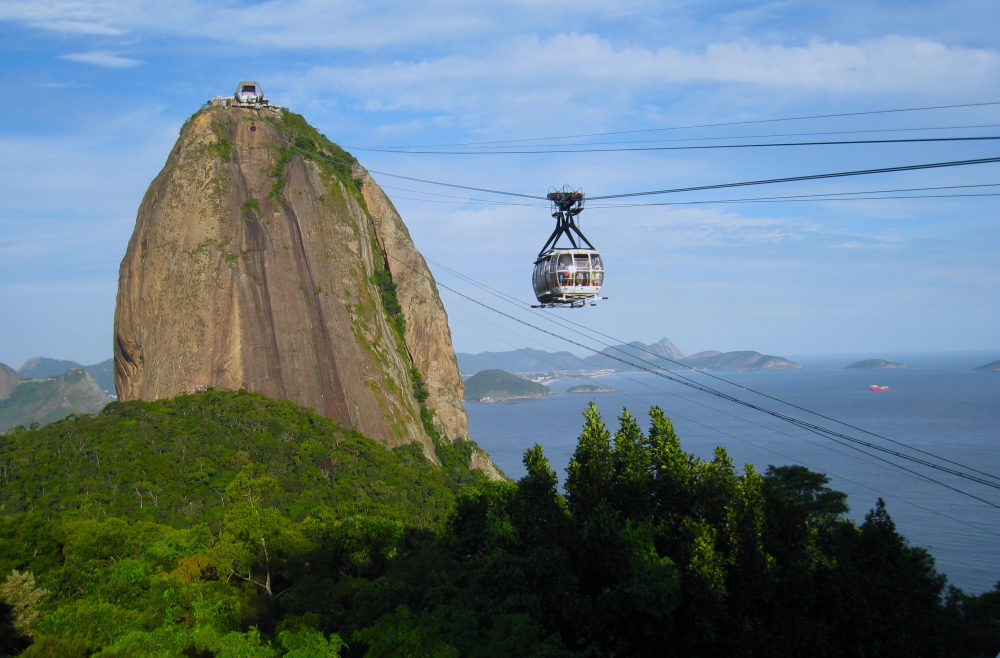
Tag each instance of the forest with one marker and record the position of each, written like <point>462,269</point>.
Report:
<point>232,525</point>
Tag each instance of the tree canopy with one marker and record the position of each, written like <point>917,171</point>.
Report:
<point>232,525</point>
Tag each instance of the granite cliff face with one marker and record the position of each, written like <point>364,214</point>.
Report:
<point>259,261</point>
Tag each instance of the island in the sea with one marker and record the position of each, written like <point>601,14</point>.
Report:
<point>500,386</point>
<point>875,364</point>
<point>590,388</point>
<point>995,365</point>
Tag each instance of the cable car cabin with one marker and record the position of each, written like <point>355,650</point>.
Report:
<point>249,92</point>
<point>568,277</point>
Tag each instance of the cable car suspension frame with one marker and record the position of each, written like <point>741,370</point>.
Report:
<point>567,277</point>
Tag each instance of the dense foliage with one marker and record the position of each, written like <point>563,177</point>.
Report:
<point>322,543</point>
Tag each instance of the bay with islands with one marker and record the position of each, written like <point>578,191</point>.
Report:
<point>946,403</point>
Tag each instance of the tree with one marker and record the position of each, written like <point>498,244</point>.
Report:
<point>25,599</point>
<point>257,540</point>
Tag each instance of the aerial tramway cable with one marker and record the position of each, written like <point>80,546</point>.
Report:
<point>565,322</point>
<point>813,133</point>
<point>674,414</point>
<point>819,430</point>
<point>686,147</point>
<point>717,186</point>
<point>818,197</point>
<point>727,123</point>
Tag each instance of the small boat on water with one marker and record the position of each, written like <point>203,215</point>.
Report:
<point>876,387</point>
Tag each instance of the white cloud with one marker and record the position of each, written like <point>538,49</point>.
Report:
<point>573,65</point>
<point>105,59</point>
<point>78,27</point>
<point>67,17</point>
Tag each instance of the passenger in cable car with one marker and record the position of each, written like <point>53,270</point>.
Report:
<point>565,277</point>
<point>583,277</point>
<point>597,263</point>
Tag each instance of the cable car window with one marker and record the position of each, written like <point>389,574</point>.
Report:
<point>565,265</point>
<point>597,263</point>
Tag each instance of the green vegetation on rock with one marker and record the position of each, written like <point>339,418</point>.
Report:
<point>500,385</point>
<point>589,388</point>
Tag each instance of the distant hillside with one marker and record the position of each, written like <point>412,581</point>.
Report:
<point>41,367</point>
<point>995,365</point>
<point>532,360</point>
<point>499,385</point>
<point>46,400</point>
<point>663,354</point>
<point>875,364</point>
<point>738,361</point>
<point>526,360</point>
<point>637,350</point>
<point>104,374</point>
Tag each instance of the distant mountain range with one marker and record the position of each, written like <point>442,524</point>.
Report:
<point>994,365</point>
<point>27,401</point>
<point>663,354</point>
<point>43,390</point>
<point>41,367</point>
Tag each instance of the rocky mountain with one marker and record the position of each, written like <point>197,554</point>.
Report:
<point>41,367</point>
<point>264,257</point>
<point>636,350</point>
<point>745,360</point>
<point>104,374</point>
<point>45,400</point>
<point>875,364</point>
<point>9,379</point>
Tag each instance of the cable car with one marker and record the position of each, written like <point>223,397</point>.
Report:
<point>567,276</point>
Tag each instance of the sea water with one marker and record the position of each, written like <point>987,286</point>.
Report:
<point>937,404</point>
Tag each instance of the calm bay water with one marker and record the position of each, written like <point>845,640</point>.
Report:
<point>937,404</point>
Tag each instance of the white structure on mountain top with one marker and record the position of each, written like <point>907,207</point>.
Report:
<point>248,94</point>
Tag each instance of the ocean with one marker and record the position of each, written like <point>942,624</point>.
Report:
<point>938,404</point>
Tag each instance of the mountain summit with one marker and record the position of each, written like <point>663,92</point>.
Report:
<point>265,258</point>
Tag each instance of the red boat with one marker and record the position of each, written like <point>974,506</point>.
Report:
<point>876,387</point>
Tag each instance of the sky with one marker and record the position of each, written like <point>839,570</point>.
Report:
<point>94,94</point>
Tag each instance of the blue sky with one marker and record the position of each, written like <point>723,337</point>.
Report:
<point>94,94</point>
